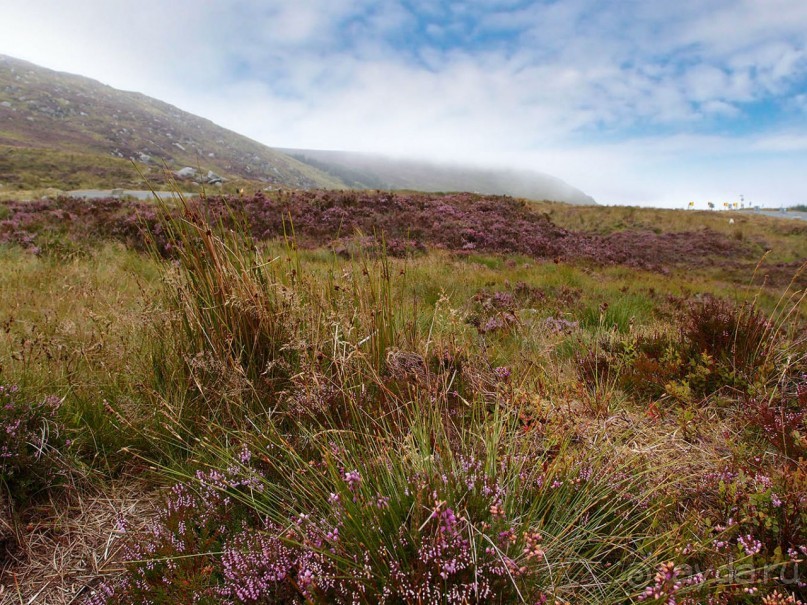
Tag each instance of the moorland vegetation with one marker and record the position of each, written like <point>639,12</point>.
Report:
<point>357,397</point>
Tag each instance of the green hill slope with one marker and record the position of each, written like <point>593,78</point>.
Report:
<point>58,129</point>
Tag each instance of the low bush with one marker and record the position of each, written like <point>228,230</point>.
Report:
<point>720,346</point>
<point>738,340</point>
<point>755,516</point>
<point>640,364</point>
<point>31,437</point>
<point>432,515</point>
<point>781,419</point>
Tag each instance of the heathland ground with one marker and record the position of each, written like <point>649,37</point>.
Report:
<point>328,397</point>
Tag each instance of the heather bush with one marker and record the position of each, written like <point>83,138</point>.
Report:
<point>736,342</point>
<point>494,312</point>
<point>406,221</point>
<point>781,418</point>
<point>641,364</point>
<point>757,518</point>
<point>654,361</point>
<point>439,514</point>
<point>720,347</point>
<point>30,437</point>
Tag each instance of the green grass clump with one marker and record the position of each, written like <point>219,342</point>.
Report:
<point>425,510</point>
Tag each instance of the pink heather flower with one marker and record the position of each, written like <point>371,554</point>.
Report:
<point>750,545</point>
<point>502,373</point>
<point>532,545</point>
<point>353,479</point>
<point>665,584</point>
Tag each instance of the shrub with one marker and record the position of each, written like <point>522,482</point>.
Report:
<point>782,418</point>
<point>737,340</point>
<point>640,364</point>
<point>758,517</point>
<point>430,515</point>
<point>30,435</point>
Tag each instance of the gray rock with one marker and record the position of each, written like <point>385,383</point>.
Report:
<point>186,173</point>
<point>213,178</point>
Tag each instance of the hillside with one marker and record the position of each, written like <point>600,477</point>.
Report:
<point>374,171</point>
<point>67,131</point>
<point>64,131</point>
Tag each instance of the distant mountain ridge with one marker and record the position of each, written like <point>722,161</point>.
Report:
<point>377,171</point>
<point>70,132</point>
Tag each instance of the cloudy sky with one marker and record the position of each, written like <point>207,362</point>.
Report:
<point>646,102</point>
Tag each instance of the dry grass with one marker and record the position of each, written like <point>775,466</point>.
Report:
<point>69,544</point>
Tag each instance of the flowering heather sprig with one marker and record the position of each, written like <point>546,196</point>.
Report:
<point>532,545</point>
<point>353,481</point>
<point>256,564</point>
<point>777,598</point>
<point>666,584</point>
<point>558,325</point>
<point>29,431</point>
<point>502,373</point>
<point>750,545</point>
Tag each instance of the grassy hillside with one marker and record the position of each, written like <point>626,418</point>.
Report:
<point>43,112</point>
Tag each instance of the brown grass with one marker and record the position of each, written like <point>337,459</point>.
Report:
<point>67,545</point>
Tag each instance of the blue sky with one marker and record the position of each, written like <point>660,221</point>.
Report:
<point>634,101</point>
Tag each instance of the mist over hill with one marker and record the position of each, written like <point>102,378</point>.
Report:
<point>377,171</point>
<point>68,132</point>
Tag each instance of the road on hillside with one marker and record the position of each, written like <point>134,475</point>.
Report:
<point>802,216</point>
<point>95,194</point>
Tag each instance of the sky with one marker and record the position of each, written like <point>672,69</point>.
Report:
<point>645,102</point>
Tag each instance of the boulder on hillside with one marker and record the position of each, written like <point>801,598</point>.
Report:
<point>213,178</point>
<point>186,173</point>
